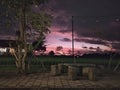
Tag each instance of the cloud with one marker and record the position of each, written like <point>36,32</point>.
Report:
<point>105,32</point>
<point>64,31</point>
<point>116,46</point>
<point>91,41</point>
<point>66,40</point>
<point>87,7</point>
<point>95,19</point>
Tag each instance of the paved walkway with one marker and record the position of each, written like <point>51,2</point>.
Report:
<point>45,81</point>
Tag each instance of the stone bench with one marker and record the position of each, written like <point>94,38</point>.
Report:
<point>74,71</point>
<point>62,69</point>
<point>58,69</point>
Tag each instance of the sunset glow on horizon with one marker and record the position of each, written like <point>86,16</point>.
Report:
<point>96,25</point>
<point>54,39</point>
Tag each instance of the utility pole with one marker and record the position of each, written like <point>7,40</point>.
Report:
<point>73,54</point>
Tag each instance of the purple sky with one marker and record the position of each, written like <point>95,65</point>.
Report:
<point>96,23</point>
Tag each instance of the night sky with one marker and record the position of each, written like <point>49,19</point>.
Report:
<point>96,24</point>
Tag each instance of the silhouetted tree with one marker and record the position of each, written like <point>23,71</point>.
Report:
<point>41,47</point>
<point>51,53</point>
<point>70,52</point>
<point>18,14</point>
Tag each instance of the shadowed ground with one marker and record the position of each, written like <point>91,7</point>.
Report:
<point>44,81</point>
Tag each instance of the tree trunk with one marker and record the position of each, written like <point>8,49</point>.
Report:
<point>21,50</point>
<point>117,66</point>
<point>20,67</point>
<point>20,55</point>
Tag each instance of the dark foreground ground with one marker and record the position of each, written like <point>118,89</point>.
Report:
<point>44,81</point>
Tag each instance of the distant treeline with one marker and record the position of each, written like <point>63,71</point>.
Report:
<point>95,55</point>
<point>98,55</point>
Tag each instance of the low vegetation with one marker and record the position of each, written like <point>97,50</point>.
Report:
<point>38,63</point>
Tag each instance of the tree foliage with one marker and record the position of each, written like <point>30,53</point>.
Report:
<point>21,16</point>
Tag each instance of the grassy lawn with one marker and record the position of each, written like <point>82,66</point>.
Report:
<point>57,59</point>
<point>8,63</point>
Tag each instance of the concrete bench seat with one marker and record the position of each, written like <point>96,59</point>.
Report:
<point>74,71</point>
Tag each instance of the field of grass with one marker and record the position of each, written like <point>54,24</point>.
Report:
<point>8,63</point>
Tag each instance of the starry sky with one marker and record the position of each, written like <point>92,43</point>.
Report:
<point>96,23</point>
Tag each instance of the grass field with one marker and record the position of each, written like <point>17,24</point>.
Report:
<point>8,63</point>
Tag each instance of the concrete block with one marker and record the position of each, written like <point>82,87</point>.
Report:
<point>54,70</point>
<point>72,72</point>
<point>91,73</point>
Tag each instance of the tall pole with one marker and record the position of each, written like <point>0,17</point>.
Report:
<point>73,41</point>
